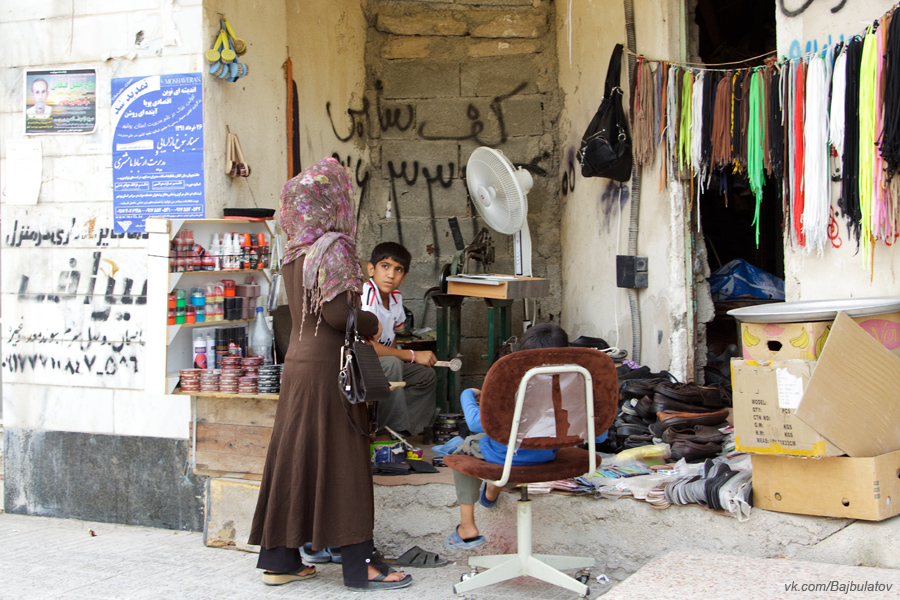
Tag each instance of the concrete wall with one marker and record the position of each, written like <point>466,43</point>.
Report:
<point>439,80</point>
<point>808,277</point>
<point>595,219</point>
<point>74,296</point>
<point>253,107</point>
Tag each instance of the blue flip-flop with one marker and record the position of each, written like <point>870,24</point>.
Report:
<point>454,541</point>
<point>324,555</point>
<point>482,497</point>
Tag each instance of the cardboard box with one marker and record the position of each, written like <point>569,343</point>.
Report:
<point>765,399</point>
<point>853,398</point>
<point>844,487</point>
<point>764,342</point>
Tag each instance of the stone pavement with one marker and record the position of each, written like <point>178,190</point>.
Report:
<point>62,558</point>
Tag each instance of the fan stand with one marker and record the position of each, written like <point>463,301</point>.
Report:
<point>522,250</point>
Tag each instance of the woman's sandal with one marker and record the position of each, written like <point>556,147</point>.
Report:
<point>380,584</point>
<point>416,557</point>
<point>283,578</point>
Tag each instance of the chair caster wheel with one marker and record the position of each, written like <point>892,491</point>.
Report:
<point>465,576</point>
<point>583,576</point>
<point>587,593</point>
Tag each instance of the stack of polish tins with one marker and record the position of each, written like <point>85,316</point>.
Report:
<point>231,373</point>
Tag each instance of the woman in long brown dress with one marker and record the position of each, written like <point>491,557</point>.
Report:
<point>317,481</point>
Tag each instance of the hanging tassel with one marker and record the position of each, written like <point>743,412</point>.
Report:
<point>756,106</point>
<point>642,113</point>
<point>815,158</point>
<point>799,192</point>
<point>867,110</point>
<point>721,129</point>
<point>684,127</point>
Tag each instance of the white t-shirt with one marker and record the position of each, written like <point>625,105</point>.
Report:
<point>391,318</point>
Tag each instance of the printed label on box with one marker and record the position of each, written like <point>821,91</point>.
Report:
<point>790,389</point>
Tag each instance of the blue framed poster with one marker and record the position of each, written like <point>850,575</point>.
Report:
<point>157,125</point>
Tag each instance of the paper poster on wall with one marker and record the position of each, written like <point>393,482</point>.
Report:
<point>23,171</point>
<point>157,125</point>
<point>60,101</point>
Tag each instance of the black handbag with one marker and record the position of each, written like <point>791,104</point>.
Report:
<point>361,377</point>
<point>606,144</point>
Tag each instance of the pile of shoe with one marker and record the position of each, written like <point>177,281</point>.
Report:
<point>630,430</point>
<point>687,416</point>
<point>717,485</point>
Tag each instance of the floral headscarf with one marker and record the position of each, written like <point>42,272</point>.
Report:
<point>318,216</point>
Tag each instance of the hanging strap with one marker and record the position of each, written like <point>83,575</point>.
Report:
<point>614,72</point>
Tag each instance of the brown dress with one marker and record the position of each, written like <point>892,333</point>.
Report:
<point>317,481</point>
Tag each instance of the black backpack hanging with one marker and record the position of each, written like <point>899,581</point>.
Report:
<point>606,145</point>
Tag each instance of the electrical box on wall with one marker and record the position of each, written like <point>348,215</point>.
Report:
<point>631,271</point>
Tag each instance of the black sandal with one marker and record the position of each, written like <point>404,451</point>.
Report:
<point>416,557</point>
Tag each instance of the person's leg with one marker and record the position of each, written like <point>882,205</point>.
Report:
<point>392,411</point>
<point>282,565</point>
<point>359,567</point>
<point>421,402</point>
<point>279,559</point>
<point>467,489</point>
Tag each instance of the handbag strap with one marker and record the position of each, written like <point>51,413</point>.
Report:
<point>614,71</point>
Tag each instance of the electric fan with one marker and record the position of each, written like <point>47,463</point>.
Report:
<point>499,191</point>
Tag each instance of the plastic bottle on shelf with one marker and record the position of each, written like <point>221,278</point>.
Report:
<point>261,337</point>
<point>215,250</point>
<point>236,260</point>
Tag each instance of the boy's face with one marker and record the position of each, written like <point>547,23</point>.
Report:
<point>388,274</point>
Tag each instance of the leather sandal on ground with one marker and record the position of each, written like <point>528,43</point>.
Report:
<point>283,578</point>
<point>455,542</point>
<point>416,557</point>
<point>380,584</point>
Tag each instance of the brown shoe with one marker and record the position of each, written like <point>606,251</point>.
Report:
<point>694,451</point>
<point>713,396</point>
<point>668,418</point>
<point>696,433</point>
<point>662,402</point>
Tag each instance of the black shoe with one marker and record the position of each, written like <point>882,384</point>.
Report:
<point>639,373</point>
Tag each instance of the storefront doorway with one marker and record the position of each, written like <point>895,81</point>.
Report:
<point>737,31</point>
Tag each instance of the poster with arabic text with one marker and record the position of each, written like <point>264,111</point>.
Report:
<point>60,101</point>
<point>157,125</point>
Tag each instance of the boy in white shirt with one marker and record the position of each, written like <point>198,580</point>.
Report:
<point>411,408</point>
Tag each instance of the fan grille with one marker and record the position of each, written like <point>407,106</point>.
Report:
<point>488,168</point>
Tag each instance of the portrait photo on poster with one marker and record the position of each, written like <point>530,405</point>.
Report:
<point>60,101</point>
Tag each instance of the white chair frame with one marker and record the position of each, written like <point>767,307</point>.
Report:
<point>545,567</point>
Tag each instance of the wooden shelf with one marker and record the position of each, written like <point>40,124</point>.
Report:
<point>178,392</point>
<point>212,323</point>
<point>220,272</point>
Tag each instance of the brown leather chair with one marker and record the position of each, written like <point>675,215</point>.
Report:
<point>552,398</point>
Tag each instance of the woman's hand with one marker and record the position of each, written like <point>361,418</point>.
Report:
<point>377,335</point>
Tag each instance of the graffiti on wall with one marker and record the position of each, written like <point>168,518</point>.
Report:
<point>373,119</point>
<point>26,235</point>
<point>74,310</point>
<point>795,8</point>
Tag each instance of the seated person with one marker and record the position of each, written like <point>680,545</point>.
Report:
<point>412,408</point>
<point>470,489</point>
